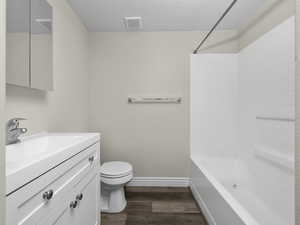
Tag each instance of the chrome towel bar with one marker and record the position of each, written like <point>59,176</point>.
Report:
<point>283,119</point>
<point>175,100</point>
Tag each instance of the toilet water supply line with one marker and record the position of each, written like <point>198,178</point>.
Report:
<point>215,26</point>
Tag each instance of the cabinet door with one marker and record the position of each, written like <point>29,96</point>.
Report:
<point>41,45</point>
<point>18,42</point>
<point>87,212</point>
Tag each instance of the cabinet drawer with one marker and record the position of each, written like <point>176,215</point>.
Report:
<point>86,211</point>
<point>28,205</point>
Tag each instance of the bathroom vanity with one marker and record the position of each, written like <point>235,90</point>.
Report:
<point>54,179</point>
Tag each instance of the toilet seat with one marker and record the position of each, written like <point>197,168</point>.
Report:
<point>115,177</point>
<point>115,169</point>
<point>116,180</point>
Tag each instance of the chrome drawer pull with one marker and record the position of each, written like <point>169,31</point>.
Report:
<point>91,158</point>
<point>48,195</point>
<point>73,204</point>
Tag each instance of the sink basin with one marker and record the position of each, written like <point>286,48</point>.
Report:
<point>39,153</point>
<point>33,149</point>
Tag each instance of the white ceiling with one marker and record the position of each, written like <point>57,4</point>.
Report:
<point>164,15</point>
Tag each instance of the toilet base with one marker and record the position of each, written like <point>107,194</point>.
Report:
<point>112,198</point>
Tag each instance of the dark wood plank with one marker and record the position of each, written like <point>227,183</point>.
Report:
<point>139,206</point>
<point>157,206</point>
<point>165,219</point>
<point>174,207</point>
<point>160,196</point>
<point>113,219</point>
<point>176,219</point>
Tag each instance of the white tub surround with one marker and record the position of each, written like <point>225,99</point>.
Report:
<point>242,131</point>
<point>54,178</point>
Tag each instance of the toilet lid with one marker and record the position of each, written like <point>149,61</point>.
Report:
<point>115,169</point>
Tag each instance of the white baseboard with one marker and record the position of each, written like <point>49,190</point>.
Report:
<point>160,182</point>
<point>209,218</point>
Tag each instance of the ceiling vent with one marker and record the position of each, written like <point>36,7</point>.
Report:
<point>133,23</point>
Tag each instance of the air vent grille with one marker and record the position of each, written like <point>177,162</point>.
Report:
<point>133,23</point>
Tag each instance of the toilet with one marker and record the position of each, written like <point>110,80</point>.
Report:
<point>114,176</point>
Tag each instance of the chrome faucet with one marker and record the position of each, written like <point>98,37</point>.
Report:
<point>13,131</point>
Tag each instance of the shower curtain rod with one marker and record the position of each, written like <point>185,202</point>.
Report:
<point>215,26</point>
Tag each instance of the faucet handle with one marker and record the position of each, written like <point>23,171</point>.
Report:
<point>14,123</point>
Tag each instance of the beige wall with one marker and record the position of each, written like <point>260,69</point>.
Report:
<point>153,137</point>
<point>2,100</point>
<point>64,109</point>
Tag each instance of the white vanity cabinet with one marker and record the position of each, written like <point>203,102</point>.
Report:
<point>67,194</point>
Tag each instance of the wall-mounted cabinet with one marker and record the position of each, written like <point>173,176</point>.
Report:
<point>29,44</point>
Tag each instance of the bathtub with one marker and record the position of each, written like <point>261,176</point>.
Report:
<point>225,198</point>
<point>242,130</point>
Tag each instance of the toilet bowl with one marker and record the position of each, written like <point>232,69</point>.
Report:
<point>114,175</point>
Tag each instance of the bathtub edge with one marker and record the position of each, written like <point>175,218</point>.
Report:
<point>207,214</point>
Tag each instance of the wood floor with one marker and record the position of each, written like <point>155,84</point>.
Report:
<point>157,206</point>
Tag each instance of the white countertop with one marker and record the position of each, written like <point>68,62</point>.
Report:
<point>36,154</point>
